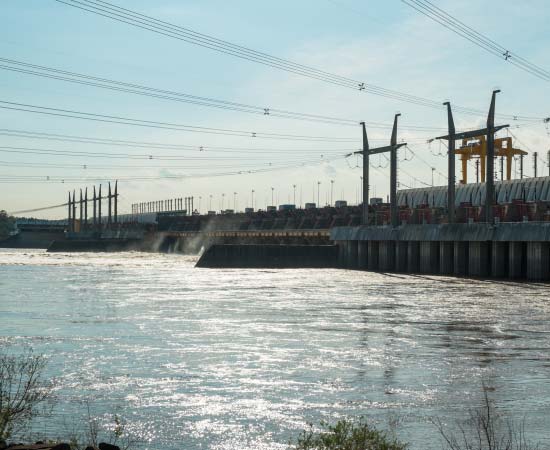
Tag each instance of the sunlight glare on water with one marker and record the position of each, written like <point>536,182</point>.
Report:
<point>242,359</point>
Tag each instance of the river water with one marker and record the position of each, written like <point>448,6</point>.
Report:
<point>242,359</point>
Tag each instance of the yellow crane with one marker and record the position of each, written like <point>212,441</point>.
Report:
<point>477,148</point>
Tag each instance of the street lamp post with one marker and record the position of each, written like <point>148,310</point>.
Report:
<point>223,201</point>
<point>252,199</point>
<point>272,191</point>
<point>294,186</point>
<point>235,201</point>
<point>318,191</point>
<point>331,190</point>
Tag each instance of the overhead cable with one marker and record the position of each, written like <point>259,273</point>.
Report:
<point>104,83</point>
<point>142,21</point>
<point>7,178</point>
<point>55,137</point>
<point>162,125</point>
<point>458,27</point>
<point>147,157</point>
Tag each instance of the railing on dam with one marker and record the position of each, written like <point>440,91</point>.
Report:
<point>251,233</point>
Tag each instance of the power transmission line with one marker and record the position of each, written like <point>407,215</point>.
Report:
<point>130,17</point>
<point>162,125</point>
<point>160,146</point>
<point>6,178</point>
<point>157,145</point>
<point>133,18</point>
<point>104,83</point>
<point>458,27</point>
<point>146,157</point>
<point>45,208</point>
<point>88,167</point>
<point>426,162</point>
<point>413,177</point>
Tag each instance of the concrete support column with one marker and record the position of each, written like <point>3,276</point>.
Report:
<point>386,256</point>
<point>345,254</point>
<point>352,255</point>
<point>413,256</point>
<point>372,258</point>
<point>429,257</point>
<point>401,250</point>
<point>499,259</point>
<point>446,257</point>
<point>342,248</point>
<point>461,259</point>
<point>340,260</point>
<point>362,254</point>
<point>517,257</point>
<point>479,261</point>
<point>538,261</point>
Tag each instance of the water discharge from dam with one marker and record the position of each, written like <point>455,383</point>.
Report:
<point>242,359</point>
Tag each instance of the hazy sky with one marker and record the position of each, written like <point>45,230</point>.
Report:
<point>382,42</point>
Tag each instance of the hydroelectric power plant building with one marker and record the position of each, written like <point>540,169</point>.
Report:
<point>515,246</point>
<point>497,229</point>
<point>485,230</point>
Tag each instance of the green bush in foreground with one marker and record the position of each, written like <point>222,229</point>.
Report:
<point>23,391</point>
<point>346,435</point>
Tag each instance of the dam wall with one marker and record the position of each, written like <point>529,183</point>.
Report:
<point>519,251</point>
<point>32,239</point>
<point>96,245</point>
<point>269,256</point>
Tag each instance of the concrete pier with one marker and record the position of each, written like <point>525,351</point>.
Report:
<point>372,259</point>
<point>352,255</point>
<point>506,250</point>
<point>460,258</point>
<point>386,256</point>
<point>413,257</point>
<point>517,260</point>
<point>478,259</point>
<point>341,258</point>
<point>401,256</point>
<point>429,257</point>
<point>499,259</point>
<point>362,255</point>
<point>446,258</point>
<point>538,259</point>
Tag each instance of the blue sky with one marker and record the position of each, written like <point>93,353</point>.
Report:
<point>380,42</point>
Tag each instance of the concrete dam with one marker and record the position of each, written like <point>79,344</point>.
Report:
<point>507,250</point>
<point>516,245</point>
